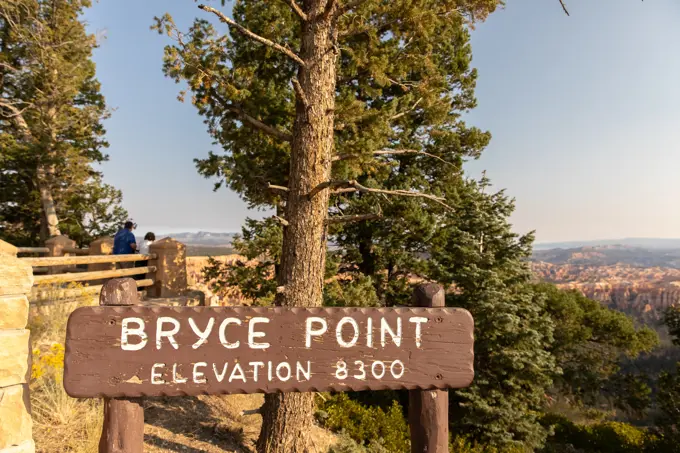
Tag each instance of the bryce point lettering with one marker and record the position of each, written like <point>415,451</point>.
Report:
<point>316,327</point>
<point>347,334</point>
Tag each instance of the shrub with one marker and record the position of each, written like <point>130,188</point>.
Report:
<point>378,425</point>
<point>605,437</point>
<point>49,364</point>
<point>347,445</point>
<point>461,444</point>
<point>368,426</point>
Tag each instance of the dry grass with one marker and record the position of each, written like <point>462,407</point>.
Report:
<point>61,423</point>
<point>64,424</point>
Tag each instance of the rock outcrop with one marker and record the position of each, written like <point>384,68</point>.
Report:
<point>642,292</point>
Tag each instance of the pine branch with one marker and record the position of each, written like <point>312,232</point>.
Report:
<point>354,186</point>
<point>281,220</point>
<point>8,67</point>
<point>352,218</point>
<point>255,37</point>
<point>344,190</point>
<point>257,124</point>
<point>300,93</point>
<point>329,9</point>
<point>246,412</point>
<point>384,152</point>
<point>351,4</point>
<point>14,111</point>
<point>296,8</point>
<point>399,115</point>
<point>564,7</point>
<point>17,116</point>
<point>251,121</point>
<point>341,126</point>
<point>278,188</point>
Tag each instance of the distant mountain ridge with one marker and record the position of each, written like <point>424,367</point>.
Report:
<point>611,255</point>
<point>648,243</point>
<point>209,238</point>
<point>203,238</point>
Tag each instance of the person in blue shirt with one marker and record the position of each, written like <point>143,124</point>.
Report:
<point>124,243</point>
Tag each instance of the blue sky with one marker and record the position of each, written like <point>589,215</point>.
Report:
<point>584,112</point>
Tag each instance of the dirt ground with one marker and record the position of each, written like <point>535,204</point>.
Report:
<point>212,424</point>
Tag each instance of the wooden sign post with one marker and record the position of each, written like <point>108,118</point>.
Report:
<point>127,351</point>
<point>123,429</point>
<point>428,410</point>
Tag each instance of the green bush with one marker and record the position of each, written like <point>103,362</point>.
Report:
<point>370,427</point>
<point>374,422</point>
<point>461,444</point>
<point>347,445</point>
<point>665,441</point>
<point>357,292</point>
<point>605,437</point>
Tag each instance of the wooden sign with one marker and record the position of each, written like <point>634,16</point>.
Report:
<point>154,351</point>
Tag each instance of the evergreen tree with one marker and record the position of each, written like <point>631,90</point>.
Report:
<point>475,250</point>
<point>51,113</point>
<point>668,396</point>
<point>324,99</point>
<point>671,320</point>
<point>590,342</point>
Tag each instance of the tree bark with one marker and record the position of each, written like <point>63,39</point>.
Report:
<point>46,175</point>
<point>49,220</point>
<point>49,209</point>
<point>288,418</point>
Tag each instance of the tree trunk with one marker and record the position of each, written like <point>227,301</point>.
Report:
<point>49,210</point>
<point>288,418</point>
<point>46,174</point>
<point>49,222</point>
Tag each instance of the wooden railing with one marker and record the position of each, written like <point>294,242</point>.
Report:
<point>77,251</point>
<point>47,278</point>
<point>84,275</point>
<point>33,250</point>
<point>87,276</point>
<point>64,263</point>
<point>92,259</point>
<point>40,293</point>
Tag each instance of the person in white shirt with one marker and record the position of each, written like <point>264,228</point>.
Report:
<point>143,249</point>
<point>144,245</point>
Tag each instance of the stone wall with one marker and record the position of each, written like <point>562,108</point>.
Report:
<point>16,426</point>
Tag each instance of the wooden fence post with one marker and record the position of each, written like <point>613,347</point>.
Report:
<point>16,426</point>
<point>56,246</point>
<point>123,430</point>
<point>101,246</point>
<point>428,412</point>
<point>171,268</point>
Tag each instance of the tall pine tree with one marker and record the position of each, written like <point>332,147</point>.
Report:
<point>321,100</point>
<point>51,113</point>
<point>475,250</point>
